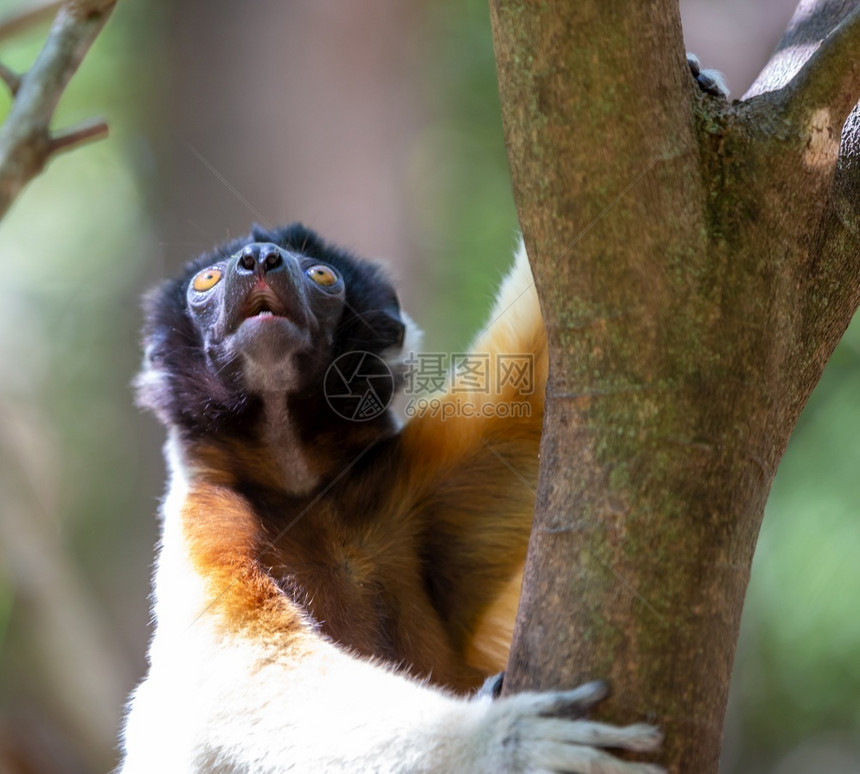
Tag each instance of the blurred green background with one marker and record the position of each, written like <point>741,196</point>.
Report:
<point>378,124</point>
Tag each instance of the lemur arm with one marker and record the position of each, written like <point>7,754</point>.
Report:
<point>241,681</point>
<point>476,476</point>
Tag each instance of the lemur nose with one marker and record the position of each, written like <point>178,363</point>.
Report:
<point>260,258</point>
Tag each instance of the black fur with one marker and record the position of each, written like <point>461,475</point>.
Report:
<point>179,384</point>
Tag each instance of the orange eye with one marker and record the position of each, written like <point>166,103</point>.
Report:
<point>206,280</point>
<point>322,275</point>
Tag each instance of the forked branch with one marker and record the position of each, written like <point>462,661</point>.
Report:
<point>26,142</point>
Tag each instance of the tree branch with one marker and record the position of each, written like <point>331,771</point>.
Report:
<point>723,281</point>
<point>834,268</point>
<point>20,19</point>
<point>86,131</point>
<point>830,78</point>
<point>812,81</point>
<point>10,78</point>
<point>812,22</point>
<point>25,140</point>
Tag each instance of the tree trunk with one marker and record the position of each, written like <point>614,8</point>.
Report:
<point>696,264</point>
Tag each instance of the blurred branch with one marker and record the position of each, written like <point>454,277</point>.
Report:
<point>26,143</point>
<point>10,78</point>
<point>84,132</point>
<point>80,664</point>
<point>29,15</point>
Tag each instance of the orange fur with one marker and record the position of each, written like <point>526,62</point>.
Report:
<point>224,540</point>
<point>478,477</point>
<point>490,644</point>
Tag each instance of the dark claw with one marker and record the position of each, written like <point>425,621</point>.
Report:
<point>694,64</point>
<point>492,687</point>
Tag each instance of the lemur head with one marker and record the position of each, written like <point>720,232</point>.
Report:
<point>263,317</point>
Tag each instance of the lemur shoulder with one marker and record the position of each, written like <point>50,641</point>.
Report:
<point>329,593</point>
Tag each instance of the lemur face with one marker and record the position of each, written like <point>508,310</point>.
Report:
<point>260,316</point>
<point>270,312</point>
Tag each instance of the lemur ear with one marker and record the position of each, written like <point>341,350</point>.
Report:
<point>390,326</point>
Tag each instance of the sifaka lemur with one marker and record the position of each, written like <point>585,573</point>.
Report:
<point>332,586</point>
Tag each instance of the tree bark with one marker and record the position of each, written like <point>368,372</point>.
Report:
<point>697,262</point>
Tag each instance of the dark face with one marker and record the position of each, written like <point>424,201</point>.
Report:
<point>270,313</point>
<point>261,317</point>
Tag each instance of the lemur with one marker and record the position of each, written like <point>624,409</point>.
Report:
<point>331,587</point>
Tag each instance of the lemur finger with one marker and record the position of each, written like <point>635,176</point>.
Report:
<point>575,703</point>
<point>640,737</point>
<point>567,759</point>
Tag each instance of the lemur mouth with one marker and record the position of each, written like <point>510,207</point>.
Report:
<point>263,302</point>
